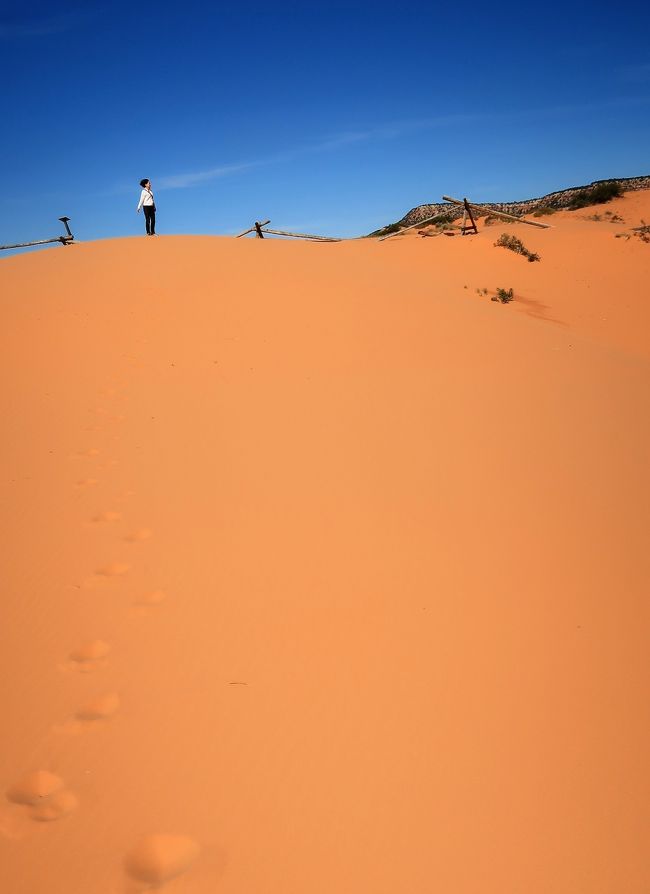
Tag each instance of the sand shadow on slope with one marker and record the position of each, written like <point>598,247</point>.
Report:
<point>537,309</point>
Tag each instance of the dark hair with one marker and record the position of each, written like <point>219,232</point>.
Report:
<point>144,182</point>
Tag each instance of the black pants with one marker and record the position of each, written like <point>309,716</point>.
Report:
<point>150,218</point>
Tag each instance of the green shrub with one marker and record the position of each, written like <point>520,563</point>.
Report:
<point>505,296</point>
<point>596,195</point>
<point>516,245</point>
<point>543,210</point>
<point>384,231</point>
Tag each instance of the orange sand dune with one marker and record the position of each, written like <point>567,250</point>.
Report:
<point>593,276</point>
<point>324,573</point>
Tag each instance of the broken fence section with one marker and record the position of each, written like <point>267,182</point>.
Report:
<point>466,228</point>
<point>260,228</point>
<point>468,205</point>
<point>64,240</point>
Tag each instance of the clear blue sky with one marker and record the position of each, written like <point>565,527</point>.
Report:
<point>331,118</point>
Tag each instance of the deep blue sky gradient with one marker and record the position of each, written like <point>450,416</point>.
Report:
<point>329,118</point>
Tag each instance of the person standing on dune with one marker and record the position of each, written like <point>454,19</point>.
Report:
<point>148,206</point>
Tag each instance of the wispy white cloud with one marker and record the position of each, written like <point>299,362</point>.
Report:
<point>329,143</point>
<point>193,178</point>
<point>389,131</point>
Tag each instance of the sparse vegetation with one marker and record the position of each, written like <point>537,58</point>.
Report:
<point>543,210</point>
<point>515,244</point>
<point>384,231</point>
<point>643,232</point>
<point>440,220</point>
<point>505,296</point>
<point>608,216</point>
<point>596,195</point>
<point>613,218</point>
<point>481,291</point>
<point>492,219</point>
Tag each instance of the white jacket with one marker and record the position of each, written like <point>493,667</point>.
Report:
<point>146,198</point>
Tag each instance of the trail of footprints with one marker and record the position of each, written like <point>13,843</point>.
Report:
<point>154,859</point>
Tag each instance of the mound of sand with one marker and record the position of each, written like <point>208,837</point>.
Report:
<point>361,551</point>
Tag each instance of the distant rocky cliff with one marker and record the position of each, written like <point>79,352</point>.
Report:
<point>556,200</point>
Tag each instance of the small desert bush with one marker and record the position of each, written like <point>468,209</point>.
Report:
<point>543,210</point>
<point>505,296</point>
<point>515,244</point>
<point>596,195</point>
<point>613,218</point>
<point>643,232</point>
<point>384,231</point>
<point>492,219</point>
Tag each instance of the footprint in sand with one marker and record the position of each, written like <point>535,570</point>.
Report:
<point>113,569</point>
<point>107,517</point>
<point>139,535</point>
<point>100,708</point>
<point>87,482</point>
<point>154,597</point>
<point>103,576</point>
<point>44,794</point>
<point>156,859</point>
<point>59,805</point>
<point>145,604</point>
<point>126,495</point>
<point>35,788</point>
<point>108,465</point>
<point>89,656</point>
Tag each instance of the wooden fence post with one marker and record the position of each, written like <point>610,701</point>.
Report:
<point>468,213</point>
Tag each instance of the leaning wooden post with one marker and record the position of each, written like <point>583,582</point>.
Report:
<point>258,230</point>
<point>64,240</point>
<point>252,229</point>
<point>468,213</point>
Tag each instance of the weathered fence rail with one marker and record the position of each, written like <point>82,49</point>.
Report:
<point>64,240</point>
<point>260,228</point>
<point>491,211</point>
